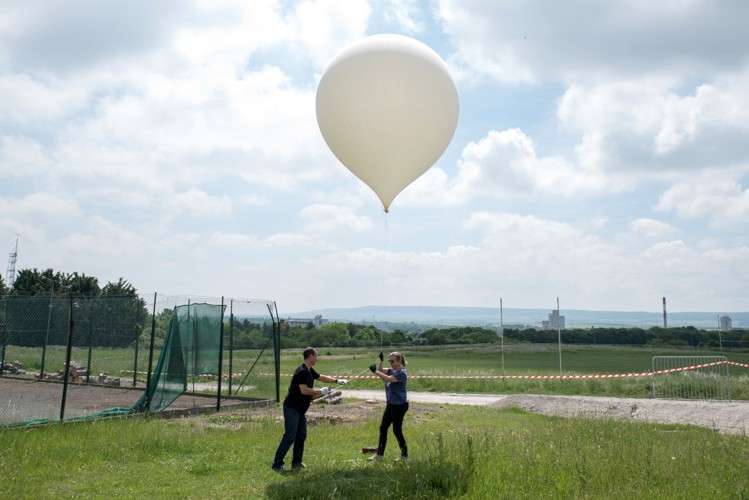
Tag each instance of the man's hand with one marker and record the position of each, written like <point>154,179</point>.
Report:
<point>325,390</point>
<point>381,356</point>
<point>341,381</point>
<point>373,368</point>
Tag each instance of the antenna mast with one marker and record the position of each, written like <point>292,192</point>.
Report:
<point>10,275</point>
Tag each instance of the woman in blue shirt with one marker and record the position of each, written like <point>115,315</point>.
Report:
<point>395,379</point>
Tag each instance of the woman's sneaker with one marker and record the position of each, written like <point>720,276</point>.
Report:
<point>374,458</point>
<point>402,458</point>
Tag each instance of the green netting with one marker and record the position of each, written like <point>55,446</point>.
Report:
<point>191,348</point>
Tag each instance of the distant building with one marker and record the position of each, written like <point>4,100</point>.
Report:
<point>555,321</point>
<point>315,322</point>
<point>725,324</point>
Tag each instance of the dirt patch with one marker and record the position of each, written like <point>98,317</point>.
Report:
<point>26,399</point>
<point>347,412</point>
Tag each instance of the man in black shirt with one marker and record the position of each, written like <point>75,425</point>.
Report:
<point>295,407</point>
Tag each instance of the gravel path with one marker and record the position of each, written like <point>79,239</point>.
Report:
<point>730,417</point>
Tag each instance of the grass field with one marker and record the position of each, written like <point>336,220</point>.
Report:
<point>519,359</point>
<point>524,359</point>
<point>456,452</point>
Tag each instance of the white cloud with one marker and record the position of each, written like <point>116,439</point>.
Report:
<point>505,165</point>
<point>28,100</point>
<point>721,200</point>
<point>197,203</point>
<point>527,259</point>
<point>651,228</point>
<point>21,157</point>
<point>650,89</point>
<point>325,26</point>
<point>325,217</point>
<point>253,200</point>
<point>631,125</point>
<point>39,204</point>
<point>533,40</point>
<point>509,164</point>
<point>287,240</point>
<point>225,240</point>
<point>228,34</point>
<point>598,222</point>
<point>669,254</point>
<point>406,14</point>
<point>74,36</point>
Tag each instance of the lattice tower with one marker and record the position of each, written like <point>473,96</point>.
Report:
<point>10,275</point>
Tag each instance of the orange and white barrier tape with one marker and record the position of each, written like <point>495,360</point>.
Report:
<point>516,377</point>
<point>547,377</point>
<point>743,365</point>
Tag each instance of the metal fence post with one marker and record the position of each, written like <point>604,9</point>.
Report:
<point>3,342</point>
<point>90,340</point>
<point>231,344</point>
<point>150,354</point>
<point>277,349</point>
<point>220,357</point>
<point>46,338</point>
<point>68,355</point>
<point>138,328</point>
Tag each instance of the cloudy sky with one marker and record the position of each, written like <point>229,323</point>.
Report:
<point>601,154</point>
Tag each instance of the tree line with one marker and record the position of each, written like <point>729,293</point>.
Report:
<point>686,336</point>
<point>35,310</point>
<point>31,282</point>
<point>354,335</point>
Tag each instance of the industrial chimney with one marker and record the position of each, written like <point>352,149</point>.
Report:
<point>665,323</point>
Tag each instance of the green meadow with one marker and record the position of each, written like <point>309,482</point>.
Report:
<point>516,359</point>
<point>459,360</point>
<point>465,362</point>
<point>456,452</point>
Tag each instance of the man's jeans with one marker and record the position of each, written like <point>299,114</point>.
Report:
<point>295,433</point>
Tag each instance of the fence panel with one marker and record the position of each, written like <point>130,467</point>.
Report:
<point>691,377</point>
<point>73,357</point>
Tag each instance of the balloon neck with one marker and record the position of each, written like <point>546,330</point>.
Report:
<point>386,210</point>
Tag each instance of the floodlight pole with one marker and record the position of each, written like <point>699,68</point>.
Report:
<point>502,336</point>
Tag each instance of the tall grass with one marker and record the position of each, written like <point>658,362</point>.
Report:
<point>467,452</point>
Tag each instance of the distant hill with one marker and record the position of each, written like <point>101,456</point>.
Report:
<point>490,316</point>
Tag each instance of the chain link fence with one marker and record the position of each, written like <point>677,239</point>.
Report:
<point>66,358</point>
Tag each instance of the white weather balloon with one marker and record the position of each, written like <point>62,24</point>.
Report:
<point>387,107</point>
